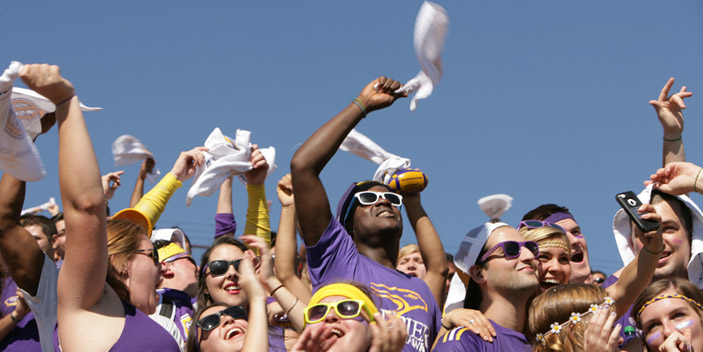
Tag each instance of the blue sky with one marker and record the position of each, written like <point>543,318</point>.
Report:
<point>543,100</point>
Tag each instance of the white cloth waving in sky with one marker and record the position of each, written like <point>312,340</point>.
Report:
<point>360,145</point>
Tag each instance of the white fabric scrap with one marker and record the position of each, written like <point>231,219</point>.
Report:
<point>430,32</point>
<point>128,150</point>
<point>30,106</point>
<point>18,155</point>
<point>362,146</point>
<point>225,157</point>
<point>40,208</point>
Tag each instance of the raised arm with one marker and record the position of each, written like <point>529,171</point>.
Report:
<point>18,248</point>
<point>670,112</point>
<point>256,339</point>
<point>257,209</point>
<point>636,276</point>
<point>312,204</point>
<point>430,245</point>
<point>83,273</point>
<point>224,216</point>
<point>677,178</point>
<point>286,245</point>
<point>138,192</point>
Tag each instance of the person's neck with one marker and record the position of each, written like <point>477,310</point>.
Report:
<point>386,254</point>
<point>508,312</point>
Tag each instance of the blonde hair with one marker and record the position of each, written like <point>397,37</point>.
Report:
<point>556,305</point>
<point>122,241</point>
<point>406,250</point>
<point>547,235</point>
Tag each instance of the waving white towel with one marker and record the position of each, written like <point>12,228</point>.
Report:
<point>430,32</point>
<point>128,150</point>
<point>360,145</point>
<point>39,208</point>
<point>18,156</point>
<point>225,157</point>
<point>30,106</point>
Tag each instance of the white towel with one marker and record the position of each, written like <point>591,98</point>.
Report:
<point>226,157</point>
<point>362,146</point>
<point>30,106</point>
<point>430,32</point>
<point>18,156</point>
<point>40,208</point>
<point>128,150</point>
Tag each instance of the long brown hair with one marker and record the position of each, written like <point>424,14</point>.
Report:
<point>203,297</point>
<point>122,241</point>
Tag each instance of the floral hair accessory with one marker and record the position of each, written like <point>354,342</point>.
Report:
<point>661,297</point>
<point>576,318</point>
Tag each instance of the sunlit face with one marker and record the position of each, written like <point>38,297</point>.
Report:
<point>228,336</point>
<point>143,278</point>
<point>59,241</point>
<point>346,335</point>
<point>225,288</point>
<point>180,274</point>
<point>662,318</point>
<point>513,275</point>
<point>677,249</point>
<point>580,267</point>
<point>377,220</point>
<point>412,265</point>
<point>41,238</point>
<point>555,268</point>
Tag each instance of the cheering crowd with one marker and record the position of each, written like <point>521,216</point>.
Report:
<point>86,280</point>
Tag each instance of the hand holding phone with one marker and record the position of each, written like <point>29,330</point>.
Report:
<point>631,204</point>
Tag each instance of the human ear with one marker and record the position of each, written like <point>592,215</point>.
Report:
<point>476,273</point>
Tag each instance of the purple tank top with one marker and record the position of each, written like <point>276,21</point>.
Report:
<point>140,333</point>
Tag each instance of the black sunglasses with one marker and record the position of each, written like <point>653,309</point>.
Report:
<point>219,267</point>
<point>213,320</point>
<point>154,253</point>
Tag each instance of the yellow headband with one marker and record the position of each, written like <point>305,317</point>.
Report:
<point>554,244</point>
<point>344,290</point>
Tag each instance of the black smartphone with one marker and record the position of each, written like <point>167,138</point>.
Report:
<point>630,203</point>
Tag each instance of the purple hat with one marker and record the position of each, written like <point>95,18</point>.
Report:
<point>347,203</point>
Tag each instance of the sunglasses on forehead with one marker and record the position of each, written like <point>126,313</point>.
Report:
<point>371,197</point>
<point>511,249</point>
<point>537,224</point>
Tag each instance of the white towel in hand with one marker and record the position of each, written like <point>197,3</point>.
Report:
<point>226,157</point>
<point>128,150</point>
<point>360,145</point>
<point>18,156</point>
<point>430,32</point>
<point>30,106</point>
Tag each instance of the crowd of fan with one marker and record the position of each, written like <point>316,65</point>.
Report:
<point>83,280</point>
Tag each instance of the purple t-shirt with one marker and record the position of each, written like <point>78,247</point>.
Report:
<point>335,258</point>
<point>463,339</point>
<point>25,335</point>
<point>177,306</point>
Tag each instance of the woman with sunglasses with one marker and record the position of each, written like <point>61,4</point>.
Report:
<point>343,317</point>
<point>108,278</point>
<point>554,251</point>
<point>223,327</point>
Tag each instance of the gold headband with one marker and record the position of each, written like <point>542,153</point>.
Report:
<point>553,244</point>
<point>661,297</point>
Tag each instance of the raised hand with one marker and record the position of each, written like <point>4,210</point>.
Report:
<point>47,81</point>
<point>389,333</point>
<point>257,175</point>
<point>600,334</point>
<point>187,163</point>
<point>653,239</point>
<point>472,319</point>
<point>265,269</point>
<point>669,110</point>
<point>380,93</point>
<point>677,178</point>
<point>111,181</point>
<point>147,168</point>
<point>285,191</point>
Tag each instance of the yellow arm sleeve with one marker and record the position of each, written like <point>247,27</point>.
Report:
<point>258,214</point>
<point>154,202</point>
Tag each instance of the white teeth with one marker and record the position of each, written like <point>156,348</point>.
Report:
<point>551,281</point>
<point>337,332</point>
<point>233,332</point>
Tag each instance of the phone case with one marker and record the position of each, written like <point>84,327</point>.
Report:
<point>630,203</point>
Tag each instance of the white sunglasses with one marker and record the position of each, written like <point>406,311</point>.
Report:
<point>371,197</point>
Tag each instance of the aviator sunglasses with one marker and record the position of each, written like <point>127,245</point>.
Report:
<point>371,197</point>
<point>512,249</point>
<point>537,224</point>
<point>346,309</point>
<point>213,320</point>
<point>154,253</point>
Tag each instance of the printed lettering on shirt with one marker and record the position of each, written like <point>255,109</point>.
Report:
<point>407,301</point>
<point>185,322</point>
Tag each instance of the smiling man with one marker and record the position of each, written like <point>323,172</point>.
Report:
<point>361,243</point>
<point>503,278</point>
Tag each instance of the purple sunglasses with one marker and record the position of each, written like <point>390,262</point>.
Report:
<point>512,249</point>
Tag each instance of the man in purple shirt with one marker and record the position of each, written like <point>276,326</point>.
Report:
<point>362,243</point>
<point>503,279</point>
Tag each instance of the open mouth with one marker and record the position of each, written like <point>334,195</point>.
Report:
<point>577,257</point>
<point>549,283</point>
<point>337,332</point>
<point>664,256</point>
<point>232,333</point>
<point>232,289</point>
<point>386,213</point>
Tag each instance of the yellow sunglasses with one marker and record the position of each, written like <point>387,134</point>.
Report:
<point>346,309</point>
